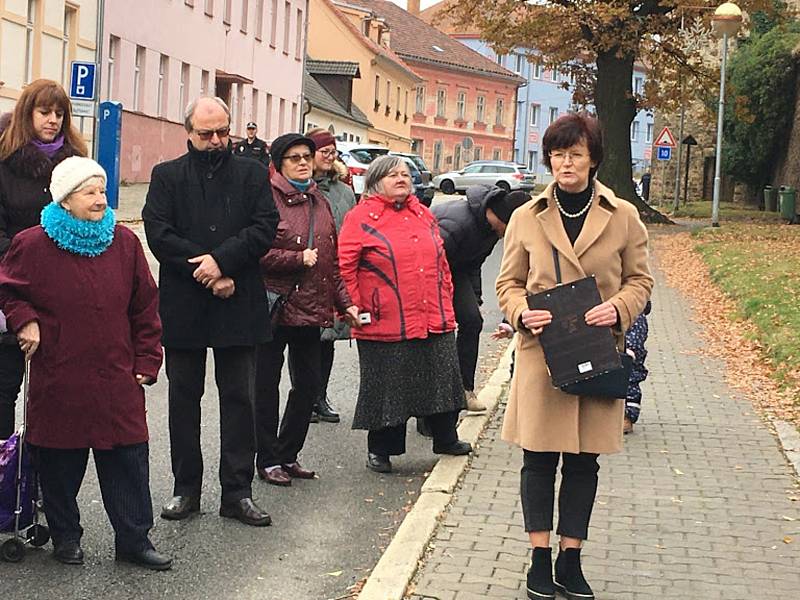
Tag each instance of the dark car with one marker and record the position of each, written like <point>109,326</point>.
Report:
<point>422,189</point>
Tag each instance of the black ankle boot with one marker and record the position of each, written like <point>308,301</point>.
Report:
<point>540,575</point>
<point>569,577</point>
<point>325,411</point>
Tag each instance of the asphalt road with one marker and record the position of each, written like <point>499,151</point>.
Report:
<point>327,533</point>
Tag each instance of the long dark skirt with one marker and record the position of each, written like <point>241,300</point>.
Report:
<point>412,378</point>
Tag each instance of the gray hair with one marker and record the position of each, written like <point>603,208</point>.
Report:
<point>378,169</point>
<point>190,108</point>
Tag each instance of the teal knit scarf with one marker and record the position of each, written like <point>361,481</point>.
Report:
<point>87,238</point>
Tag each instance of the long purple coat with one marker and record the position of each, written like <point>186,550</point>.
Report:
<point>99,326</point>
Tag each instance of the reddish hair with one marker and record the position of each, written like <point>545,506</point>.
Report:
<point>40,93</point>
<point>571,129</point>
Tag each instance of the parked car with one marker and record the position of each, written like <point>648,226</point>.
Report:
<point>358,157</point>
<point>423,186</point>
<point>503,174</point>
<point>427,176</point>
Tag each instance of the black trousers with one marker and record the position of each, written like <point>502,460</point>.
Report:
<point>281,446</point>
<point>575,498</point>
<point>124,477</point>
<point>326,361</point>
<point>391,441</point>
<point>12,369</point>
<point>470,324</point>
<point>234,370</point>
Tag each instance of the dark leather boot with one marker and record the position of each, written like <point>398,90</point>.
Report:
<point>540,575</point>
<point>325,411</point>
<point>569,578</point>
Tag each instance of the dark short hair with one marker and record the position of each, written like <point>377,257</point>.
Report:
<point>571,129</point>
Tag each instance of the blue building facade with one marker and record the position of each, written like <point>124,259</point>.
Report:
<point>543,99</point>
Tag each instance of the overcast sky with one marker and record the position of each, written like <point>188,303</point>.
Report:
<point>425,3</point>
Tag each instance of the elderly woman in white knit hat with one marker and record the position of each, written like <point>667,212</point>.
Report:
<point>79,294</point>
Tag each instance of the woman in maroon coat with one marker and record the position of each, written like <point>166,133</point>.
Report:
<point>392,260</point>
<point>305,272</point>
<point>79,294</point>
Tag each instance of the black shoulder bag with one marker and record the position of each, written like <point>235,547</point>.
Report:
<point>277,301</point>
<point>612,383</point>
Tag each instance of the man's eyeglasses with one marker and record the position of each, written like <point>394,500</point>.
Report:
<point>296,158</point>
<point>328,153</point>
<point>205,134</point>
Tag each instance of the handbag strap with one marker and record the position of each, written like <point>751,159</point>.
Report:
<point>309,244</point>
<point>557,265</point>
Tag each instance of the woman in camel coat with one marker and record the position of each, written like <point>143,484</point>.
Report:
<point>595,233</point>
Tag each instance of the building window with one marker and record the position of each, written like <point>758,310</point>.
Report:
<point>254,106</point>
<point>294,124</point>
<point>405,105</point>
<point>635,131</point>
<point>638,85</point>
<point>461,104</point>
<point>377,91</point>
<point>287,21</point>
<point>138,77</point>
<point>245,10</point>
<point>273,35</point>
<point>163,75</point>
<point>388,94</point>
<point>496,153</point>
<point>30,24</point>
<point>259,20</point>
<point>68,33</point>
<point>298,40</point>
<point>184,88</point>
<point>476,152</point>
<point>533,159</point>
<point>649,133</point>
<point>498,114</point>
<point>209,8</point>
<point>281,116</point>
<point>519,64</point>
<point>268,117</point>
<point>537,70</point>
<point>113,52</point>
<point>420,100</point>
<point>457,157</point>
<point>204,91</point>
<point>226,12</point>
<point>437,156</point>
<point>500,59</point>
<point>480,109</point>
<point>535,110</point>
<point>553,114</point>
<point>441,102</point>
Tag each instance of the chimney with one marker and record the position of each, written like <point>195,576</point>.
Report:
<point>413,7</point>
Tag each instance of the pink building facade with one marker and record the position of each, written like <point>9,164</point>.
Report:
<point>158,55</point>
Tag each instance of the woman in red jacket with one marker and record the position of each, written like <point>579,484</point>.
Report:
<point>80,285</point>
<point>392,261</point>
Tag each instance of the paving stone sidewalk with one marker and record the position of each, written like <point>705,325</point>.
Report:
<point>698,506</point>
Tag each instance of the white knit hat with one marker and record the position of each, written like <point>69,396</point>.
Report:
<point>71,173</point>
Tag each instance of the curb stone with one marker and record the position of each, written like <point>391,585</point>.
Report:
<point>398,564</point>
<point>789,439</point>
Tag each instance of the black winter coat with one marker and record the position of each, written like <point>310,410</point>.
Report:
<point>468,237</point>
<point>196,206</point>
<point>25,189</point>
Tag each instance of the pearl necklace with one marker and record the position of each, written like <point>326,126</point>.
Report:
<point>572,215</point>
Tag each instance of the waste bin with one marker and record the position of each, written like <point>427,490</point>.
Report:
<point>770,199</point>
<point>788,197</point>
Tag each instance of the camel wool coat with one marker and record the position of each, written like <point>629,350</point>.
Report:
<point>612,246</point>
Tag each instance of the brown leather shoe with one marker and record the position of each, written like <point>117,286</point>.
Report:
<point>246,511</point>
<point>275,476</point>
<point>295,470</point>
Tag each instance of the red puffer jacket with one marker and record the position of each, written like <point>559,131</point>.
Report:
<point>319,288</point>
<point>392,260</point>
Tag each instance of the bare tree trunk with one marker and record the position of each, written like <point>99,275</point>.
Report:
<point>616,111</point>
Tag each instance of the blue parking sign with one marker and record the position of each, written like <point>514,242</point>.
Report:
<point>664,153</point>
<point>81,84</point>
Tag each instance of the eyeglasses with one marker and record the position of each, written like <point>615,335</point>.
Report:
<point>296,158</point>
<point>205,134</point>
<point>328,153</point>
<point>560,156</point>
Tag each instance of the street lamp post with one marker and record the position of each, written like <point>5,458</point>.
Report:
<point>726,21</point>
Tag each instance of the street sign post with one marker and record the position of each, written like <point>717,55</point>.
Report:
<point>664,153</point>
<point>81,84</point>
<point>109,135</point>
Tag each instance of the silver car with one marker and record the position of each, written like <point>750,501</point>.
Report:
<point>503,174</point>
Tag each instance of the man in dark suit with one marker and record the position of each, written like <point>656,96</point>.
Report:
<point>252,146</point>
<point>209,217</point>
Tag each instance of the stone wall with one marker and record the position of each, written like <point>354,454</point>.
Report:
<point>787,169</point>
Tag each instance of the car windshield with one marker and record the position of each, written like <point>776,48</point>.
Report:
<point>419,163</point>
<point>367,155</point>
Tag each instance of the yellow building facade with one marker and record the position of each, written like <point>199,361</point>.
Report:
<point>386,90</point>
<point>40,38</point>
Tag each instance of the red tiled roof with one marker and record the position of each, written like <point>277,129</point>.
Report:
<point>415,40</point>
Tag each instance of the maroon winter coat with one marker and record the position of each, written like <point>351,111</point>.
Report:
<point>319,288</point>
<point>393,263</point>
<point>99,324</point>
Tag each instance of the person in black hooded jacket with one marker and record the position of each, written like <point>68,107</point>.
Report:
<point>470,231</point>
<point>33,139</point>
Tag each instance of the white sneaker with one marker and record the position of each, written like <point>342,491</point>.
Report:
<point>473,404</point>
